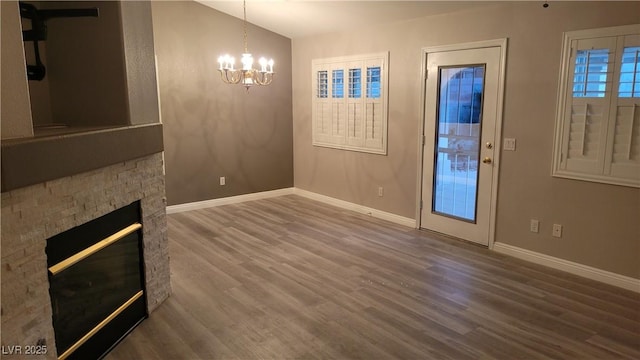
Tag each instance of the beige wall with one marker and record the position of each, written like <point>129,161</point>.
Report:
<point>99,70</point>
<point>137,27</point>
<point>212,129</point>
<point>15,112</point>
<point>601,227</point>
<point>85,66</point>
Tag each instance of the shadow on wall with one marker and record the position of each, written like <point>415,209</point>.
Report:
<point>212,129</point>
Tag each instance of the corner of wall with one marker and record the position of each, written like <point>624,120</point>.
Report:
<point>16,108</point>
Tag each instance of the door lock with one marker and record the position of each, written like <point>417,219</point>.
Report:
<point>486,160</point>
<point>489,145</point>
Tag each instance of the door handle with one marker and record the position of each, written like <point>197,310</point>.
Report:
<point>486,160</point>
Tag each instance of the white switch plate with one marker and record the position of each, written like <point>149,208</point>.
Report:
<point>557,230</point>
<point>509,144</point>
<point>380,191</point>
<point>223,181</point>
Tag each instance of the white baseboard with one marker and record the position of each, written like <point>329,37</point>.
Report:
<point>588,272</point>
<point>288,191</point>
<point>397,219</point>
<point>228,200</point>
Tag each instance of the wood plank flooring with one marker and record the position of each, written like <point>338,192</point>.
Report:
<point>290,278</point>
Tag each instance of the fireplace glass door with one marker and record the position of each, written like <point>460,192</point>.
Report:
<point>94,288</point>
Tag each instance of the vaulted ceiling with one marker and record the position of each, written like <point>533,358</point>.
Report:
<point>300,18</point>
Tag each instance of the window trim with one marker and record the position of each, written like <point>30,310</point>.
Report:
<point>377,105</point>
<point>565,87</point>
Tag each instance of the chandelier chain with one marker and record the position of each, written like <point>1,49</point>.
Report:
<point>244,9</point>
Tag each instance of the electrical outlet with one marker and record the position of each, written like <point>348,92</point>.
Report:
<point>509,144</point>
<point>557,231</point>
<point>534,226</point>
<point>380,191</point>
<point>223,181</point>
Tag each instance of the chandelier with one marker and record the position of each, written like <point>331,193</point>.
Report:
<point>247,76</point>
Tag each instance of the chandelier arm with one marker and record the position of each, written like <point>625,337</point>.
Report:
<point>224,77</point>
<point>233,79</point>
<point>260,78</point>
<point>264,78</point>
<point>236,76</point>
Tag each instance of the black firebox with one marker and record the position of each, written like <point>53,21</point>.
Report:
<point>96,282</point>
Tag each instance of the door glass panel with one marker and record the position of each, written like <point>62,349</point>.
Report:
<point>459,121</point>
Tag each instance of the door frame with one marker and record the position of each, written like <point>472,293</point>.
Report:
<point>502,44</point>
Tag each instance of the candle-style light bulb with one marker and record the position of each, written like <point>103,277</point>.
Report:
<point>227,61</point>
<point>271,65</point>
<point>263,64</point>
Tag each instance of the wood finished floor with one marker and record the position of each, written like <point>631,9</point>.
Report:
<point>290,278</point>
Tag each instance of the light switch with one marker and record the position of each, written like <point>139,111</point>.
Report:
<point>509,144</point>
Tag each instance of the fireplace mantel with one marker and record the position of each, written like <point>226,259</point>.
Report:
<point>34,160</point>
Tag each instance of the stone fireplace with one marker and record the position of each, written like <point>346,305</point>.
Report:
<point>35,213</point>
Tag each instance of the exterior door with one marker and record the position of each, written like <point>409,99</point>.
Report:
<point>462,109</point>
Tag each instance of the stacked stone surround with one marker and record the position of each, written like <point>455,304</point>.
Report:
<point>32,214</point>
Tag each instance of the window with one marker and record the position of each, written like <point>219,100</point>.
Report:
<point>337,89</point>
<point>322,85</point>
<point>355,85</point>
<point>590,73</point>
<point>598,118</point>
<point>355,116</point>
<point>373,82</point>
<point>463,92</point>
<point>630,73</point>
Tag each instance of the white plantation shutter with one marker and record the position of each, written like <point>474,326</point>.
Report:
<point>597,130</point>
<point>624,153</point>
<point>587,104</point>
<point>322,124</point>
<point>355,136</point>
<point>374,128</point>
<point>586,137</point>
<point>375,125</point>
<point>339,121</point>
<point>353,117</point>
<point>321,106</point>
